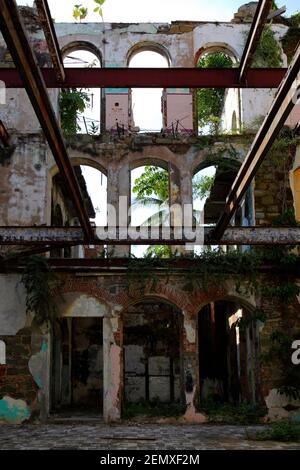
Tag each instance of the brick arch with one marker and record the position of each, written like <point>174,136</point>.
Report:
<point>85,287</point>
<point>161,291</point>
<point>217,295</point>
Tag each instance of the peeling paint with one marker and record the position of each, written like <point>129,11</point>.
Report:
<point>38,366</point>
<point>13,411</point>
<point>189,331</point>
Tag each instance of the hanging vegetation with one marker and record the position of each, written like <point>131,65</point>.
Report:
<point>268,52</point>
<point>291,39</point>
<point>210,100</point>
<point>39,280</point>
<point>72,102</point>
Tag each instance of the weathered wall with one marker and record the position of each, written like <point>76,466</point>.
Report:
<point>181,43</point>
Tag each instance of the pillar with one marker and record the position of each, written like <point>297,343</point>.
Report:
<point>112,369</point>
<point>118,196</point>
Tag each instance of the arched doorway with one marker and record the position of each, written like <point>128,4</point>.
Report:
<point>153,353</point>
<point>228,339</point>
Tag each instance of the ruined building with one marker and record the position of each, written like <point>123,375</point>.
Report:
<point>121,335</point>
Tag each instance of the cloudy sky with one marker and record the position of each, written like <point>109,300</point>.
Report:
<point>156,10</point>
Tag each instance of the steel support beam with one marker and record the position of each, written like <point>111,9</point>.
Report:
<point>17,41</point>
<point>4,135</point>
<point>113,266</point>
<point>48,237</point>
<point>283,104</point>
<point>51,38</point>
<point>151,78</point>
<point>259,20</point>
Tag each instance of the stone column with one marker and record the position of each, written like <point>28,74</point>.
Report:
<point>112,369</point>
<point>118,196</point>
<point>181,194</point>
<point>190,366</point>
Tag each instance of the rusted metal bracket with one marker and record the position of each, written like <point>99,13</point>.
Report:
<point>64,236</point>
<point>51,38</point>
<point>259,20</point>
<point>285,100</point>
<point>17,41</point>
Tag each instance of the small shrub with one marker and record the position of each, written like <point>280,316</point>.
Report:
<point>284,431</point>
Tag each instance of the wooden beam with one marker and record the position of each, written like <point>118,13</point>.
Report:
<point>51,38</point>
<point>283,104</point>
<point>17,41</point>
<point>49,237</point>
<point>151,78</point>
<point>259,20</point>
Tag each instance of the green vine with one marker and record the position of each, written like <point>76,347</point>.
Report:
<point>279,352</point>
<point>39,281</point>
<point>291,39</point>
<point>268,52</point>
<point>72,102</point>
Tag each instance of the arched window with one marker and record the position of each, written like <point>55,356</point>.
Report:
<point>147,102</point>
<point>216,105</point>
<point>93,186</point>
<point>150,202</point>
<point>81,108</point>
<point>2,353</point>
<point>234,126</point>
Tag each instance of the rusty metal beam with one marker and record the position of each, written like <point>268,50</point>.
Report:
<point>113,266</point>
<point>49,237</point>
<point>51,38</point>
<point>259,20</point>
<point>151,78</point>
<point>283,104</point>
<point>4,135</point>
<point>17,41</point>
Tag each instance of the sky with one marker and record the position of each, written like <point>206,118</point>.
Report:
<point>156,10</point>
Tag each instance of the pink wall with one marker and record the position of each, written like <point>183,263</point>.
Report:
<point>117,107</point>
<point>179,107</point>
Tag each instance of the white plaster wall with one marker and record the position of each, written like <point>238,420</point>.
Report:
<point>12,305</point>
<point>18,112</point>
<point>221,34</point>
<point>81,305</point>
<point>231,104</point>
<point>255,103</point>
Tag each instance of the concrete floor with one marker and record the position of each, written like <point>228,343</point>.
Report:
<point>71,436</point>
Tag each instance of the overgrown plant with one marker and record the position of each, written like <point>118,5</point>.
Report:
<point>283,431</point>
<point>210,100</point>
<point>39,281</point>
<point>268,52</point>
<point>291,39</point>
<point>72,102</point>
<point>279,352</point>
<point>80,12</point>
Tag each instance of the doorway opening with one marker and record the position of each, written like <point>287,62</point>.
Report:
<point>152,354</point>
<point>228,354</point>
<point>77,366</point>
